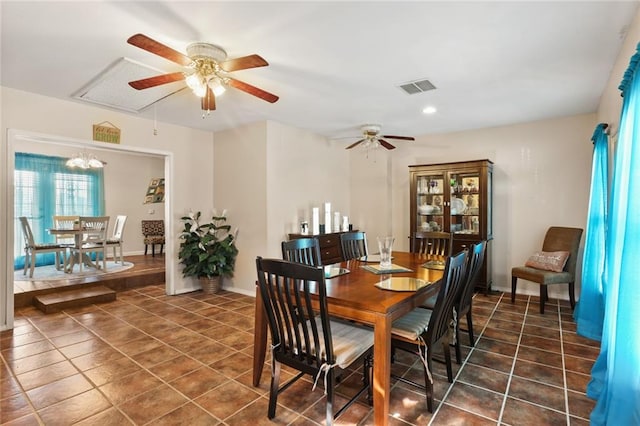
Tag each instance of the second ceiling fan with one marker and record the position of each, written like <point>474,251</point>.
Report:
<point>372,138</point>
<point>207,70</point>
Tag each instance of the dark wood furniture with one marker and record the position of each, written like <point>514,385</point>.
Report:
<point>302,250</point>
<point>437,243</point>
<point>455,198</point>
<point>353,245</point>
<point>307,328</point>
<point>330,250</point>
<point>354,296</point>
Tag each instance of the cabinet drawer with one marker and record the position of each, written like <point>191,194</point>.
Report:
<point>327,241</point>
<point>329,253</point>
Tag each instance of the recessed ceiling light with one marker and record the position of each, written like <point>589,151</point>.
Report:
<point>429,110</point>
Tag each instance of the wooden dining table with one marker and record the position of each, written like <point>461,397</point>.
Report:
<point>354,296</point>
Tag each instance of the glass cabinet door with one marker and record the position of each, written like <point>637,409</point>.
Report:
<point>431,201</point>
<point>465,202</point>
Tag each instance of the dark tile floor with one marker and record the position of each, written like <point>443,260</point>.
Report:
<point>148,358</point>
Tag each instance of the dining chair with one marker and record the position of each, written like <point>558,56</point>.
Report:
<point>433,243</point>
<point>153,232</point>
<point>31,248</point>
<point>464,299</point>
<point>421,330</point>
<point>65,222</point>
<point>93,239</point>
<point>557,239</point>
<point>302,250</point>
<point>354,245</point>
<point>116,239</point>
<point>305,339</point>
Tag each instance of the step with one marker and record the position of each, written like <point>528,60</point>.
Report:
<point>56,302</point>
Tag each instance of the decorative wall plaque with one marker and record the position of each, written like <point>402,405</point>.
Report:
<point>106,132</point>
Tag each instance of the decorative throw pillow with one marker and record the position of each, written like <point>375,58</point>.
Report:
<point>548,260</point>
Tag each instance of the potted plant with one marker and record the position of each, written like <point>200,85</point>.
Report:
<point>207,250</point>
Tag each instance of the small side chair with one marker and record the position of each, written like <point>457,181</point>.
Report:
<point>302,250</point>
<point>557,239</point>
<point>353,245</point>
<point>153,231</point>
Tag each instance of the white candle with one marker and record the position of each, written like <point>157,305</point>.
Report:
<point>327,217</point>
<point>316,221</point>
<point>336,222</point>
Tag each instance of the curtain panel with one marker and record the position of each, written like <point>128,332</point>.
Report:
<point>615,377</point>
<point>589,313</point>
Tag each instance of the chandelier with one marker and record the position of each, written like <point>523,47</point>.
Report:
<point>82,160</point>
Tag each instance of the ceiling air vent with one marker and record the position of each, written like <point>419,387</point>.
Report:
<point>417,86</point>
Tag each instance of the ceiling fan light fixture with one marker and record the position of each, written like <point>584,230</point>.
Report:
<point>216,86</point>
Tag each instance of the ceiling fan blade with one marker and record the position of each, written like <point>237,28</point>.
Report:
<point>158,80</point>
<point>252,90</point>
<point>157,48</point>
<point>386,144</point>
<point>208,102</point>
<point>251,61</point>
<point>402,138</point>
<point>355,144</point>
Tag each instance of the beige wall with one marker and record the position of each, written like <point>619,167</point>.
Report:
<point>269,176</point>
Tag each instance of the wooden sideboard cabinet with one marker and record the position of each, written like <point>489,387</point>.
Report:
<point>330,249</point>
<point>455,198</point>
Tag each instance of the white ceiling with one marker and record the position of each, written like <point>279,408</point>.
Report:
<point>337,65</point>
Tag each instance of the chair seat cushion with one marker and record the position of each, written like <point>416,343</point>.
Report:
<point>159,239</point>
<point>540,276</point>
<point>412,325</point>
<point>349,342</point>
<point>113,241</point>
<point>47,246</point>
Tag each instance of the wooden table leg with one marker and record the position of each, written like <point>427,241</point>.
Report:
<point>381,369</point>
<point>259,338</point>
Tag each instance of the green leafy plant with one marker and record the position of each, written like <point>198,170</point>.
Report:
<point>207,249</point>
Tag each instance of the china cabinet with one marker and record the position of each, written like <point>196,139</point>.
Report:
<point>455,198</point>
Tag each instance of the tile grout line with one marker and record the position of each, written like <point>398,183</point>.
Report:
<point>564,369</point>
<point>515,359</point>
<point>464,362</point>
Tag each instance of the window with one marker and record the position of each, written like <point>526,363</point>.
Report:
<point>45,187</point>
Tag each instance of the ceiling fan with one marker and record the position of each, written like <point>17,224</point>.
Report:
<point>372,138</point>
<point>206,70</point>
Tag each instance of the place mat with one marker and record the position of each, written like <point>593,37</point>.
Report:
<point>394,268</point>
<point>402,284</point>
<point>434,264</point>
<point>334,272</point>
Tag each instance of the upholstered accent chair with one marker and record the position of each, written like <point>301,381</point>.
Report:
<point>153,232</point>
<point>557,239</point>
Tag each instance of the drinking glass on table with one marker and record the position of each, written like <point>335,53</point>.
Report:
<point>384,245</point>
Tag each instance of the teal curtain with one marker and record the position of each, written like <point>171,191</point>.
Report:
<point>589,313</point>
<point>615,377</point>
<point>45,187</point>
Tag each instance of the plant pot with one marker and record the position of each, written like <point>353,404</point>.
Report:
<point>211,285</point>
